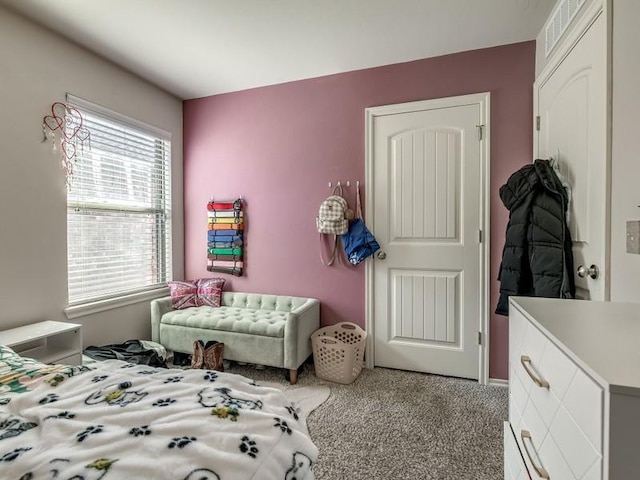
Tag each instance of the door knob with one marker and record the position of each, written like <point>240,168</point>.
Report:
<point>382,255</point>
<point>592,271</point>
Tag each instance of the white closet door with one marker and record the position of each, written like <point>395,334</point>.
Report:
<point>572,106</point>
<point>427,159</point>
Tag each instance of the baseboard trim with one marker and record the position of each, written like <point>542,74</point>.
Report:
<point>498,382</point>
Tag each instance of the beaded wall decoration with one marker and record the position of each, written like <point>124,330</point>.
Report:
<point>225,237</point>
<point>65,128</point>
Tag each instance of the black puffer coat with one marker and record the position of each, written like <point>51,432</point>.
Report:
<point>537,258</point>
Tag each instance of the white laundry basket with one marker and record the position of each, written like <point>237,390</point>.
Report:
<point>338,352</point>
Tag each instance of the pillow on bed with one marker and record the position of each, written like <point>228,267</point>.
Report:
<point>195,293</point>
<point>10,361</point>
<point>19,374</point>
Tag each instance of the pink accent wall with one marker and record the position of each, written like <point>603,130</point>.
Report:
<point>278,146</point>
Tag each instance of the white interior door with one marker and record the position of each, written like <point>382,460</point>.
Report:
<point>427,203</point>
<point>572,106</point>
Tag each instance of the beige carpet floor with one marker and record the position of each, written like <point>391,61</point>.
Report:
<point>397,425</point>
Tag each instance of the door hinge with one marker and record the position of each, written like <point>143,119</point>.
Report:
<point>479,338</point>
<point>480,236</point>
<point>480,131</point>
<point>538,122</point>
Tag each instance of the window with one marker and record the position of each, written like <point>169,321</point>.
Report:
<point>118,208</point>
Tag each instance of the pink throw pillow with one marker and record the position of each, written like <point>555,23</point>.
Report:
<point>195,293</point>
<point>183,294</point>
<point>210,291</point>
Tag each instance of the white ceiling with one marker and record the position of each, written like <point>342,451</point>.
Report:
<point>195,48</point>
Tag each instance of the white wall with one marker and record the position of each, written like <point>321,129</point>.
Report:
<point>38,68</point>
<point>625,179</point>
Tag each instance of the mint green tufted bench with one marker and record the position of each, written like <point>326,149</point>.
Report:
<point>262,329</point>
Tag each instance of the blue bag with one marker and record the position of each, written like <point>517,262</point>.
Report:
<point>359,243</point>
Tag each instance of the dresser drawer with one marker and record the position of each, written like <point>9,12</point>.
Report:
<point>555,408</point>
<point>544,457</point>
<point>514,466</point>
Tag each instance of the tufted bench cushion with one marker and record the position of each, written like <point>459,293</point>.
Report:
<point>263,329</point>
<point>230,319</point>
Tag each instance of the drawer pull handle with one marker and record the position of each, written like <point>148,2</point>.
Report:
<point>524,360</point>
<point>542,473</point>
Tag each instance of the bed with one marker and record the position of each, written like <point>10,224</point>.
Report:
<point>115,420</point>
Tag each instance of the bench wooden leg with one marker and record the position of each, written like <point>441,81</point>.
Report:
<point>293,376</point>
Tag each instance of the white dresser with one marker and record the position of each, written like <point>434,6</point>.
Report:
<point>574,390</point>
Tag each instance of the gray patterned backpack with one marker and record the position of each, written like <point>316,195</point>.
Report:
<point>332,216</point>
<point>333,219</point>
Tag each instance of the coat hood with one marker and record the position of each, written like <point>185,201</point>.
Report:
<point>530,177</point>
<point>519,185</point>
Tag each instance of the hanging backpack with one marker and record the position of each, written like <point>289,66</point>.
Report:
<point>333,220</point>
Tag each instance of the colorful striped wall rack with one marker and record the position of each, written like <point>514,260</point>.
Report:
<point>225,236</point>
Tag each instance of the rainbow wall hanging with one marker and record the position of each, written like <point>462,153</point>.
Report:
<point>225,237</point>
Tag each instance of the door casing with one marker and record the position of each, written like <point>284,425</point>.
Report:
<point>483,100</point>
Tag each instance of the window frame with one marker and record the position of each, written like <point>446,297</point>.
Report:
<point>164,256</point>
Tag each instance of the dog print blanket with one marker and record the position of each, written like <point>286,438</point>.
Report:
<point>117,421</point>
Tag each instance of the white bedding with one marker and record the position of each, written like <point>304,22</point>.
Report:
<point>118,421</point>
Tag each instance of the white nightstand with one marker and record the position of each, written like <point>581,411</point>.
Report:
<point>48,342</point>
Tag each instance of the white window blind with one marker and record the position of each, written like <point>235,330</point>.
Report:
<point>118,208</point>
